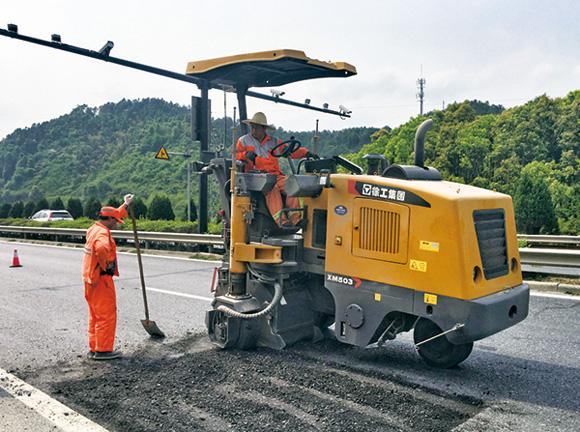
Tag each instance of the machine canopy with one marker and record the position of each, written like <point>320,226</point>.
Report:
<point>266,69</point>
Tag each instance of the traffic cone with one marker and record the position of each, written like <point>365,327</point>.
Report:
<point>15,260</point>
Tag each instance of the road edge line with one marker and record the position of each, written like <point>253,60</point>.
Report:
<point>63,417</point>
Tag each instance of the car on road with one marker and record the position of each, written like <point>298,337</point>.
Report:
<point>51,215</point>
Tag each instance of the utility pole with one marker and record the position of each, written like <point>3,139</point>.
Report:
<point>421,95</point>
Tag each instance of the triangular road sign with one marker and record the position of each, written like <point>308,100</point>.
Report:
<point>162,154</point>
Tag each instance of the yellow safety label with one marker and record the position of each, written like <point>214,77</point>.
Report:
<point>418,265</point>
<point>377,296</point>
<point>430,299</point>
<point>429,246</point>
<point>162,154</point>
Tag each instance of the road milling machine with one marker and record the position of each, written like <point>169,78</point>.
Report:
<point>377,253</point>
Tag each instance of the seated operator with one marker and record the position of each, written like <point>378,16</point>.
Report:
<point>255,149</point>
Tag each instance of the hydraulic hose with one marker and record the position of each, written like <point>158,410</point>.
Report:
<point>275,300</point>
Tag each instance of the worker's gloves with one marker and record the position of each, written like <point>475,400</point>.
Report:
<point>128,199</point>
<point>251,156</point>
<point>311,155</point>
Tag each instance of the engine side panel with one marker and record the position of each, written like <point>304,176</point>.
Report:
<point>442,250</point>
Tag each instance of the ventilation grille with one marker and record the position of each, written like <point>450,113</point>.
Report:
<point>490,230</point>
<point>379,230</point>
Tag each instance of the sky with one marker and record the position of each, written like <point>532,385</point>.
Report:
<point>502,51</point>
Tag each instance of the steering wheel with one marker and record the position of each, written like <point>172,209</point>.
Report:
<point>293,145</point>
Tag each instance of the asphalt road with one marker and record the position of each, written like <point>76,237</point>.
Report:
<point>525,378</point>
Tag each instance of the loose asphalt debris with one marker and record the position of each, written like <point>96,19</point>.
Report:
<point>190,385</point>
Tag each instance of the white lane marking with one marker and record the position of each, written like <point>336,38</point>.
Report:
<point>80,248</point>
<point>60,415</point>
<point>180,294</point>
<point>554,295</point>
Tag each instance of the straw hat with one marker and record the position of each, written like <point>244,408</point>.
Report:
<point>259,119</point>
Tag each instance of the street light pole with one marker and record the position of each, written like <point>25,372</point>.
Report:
<point>188,191</point>
<point>187,156</point>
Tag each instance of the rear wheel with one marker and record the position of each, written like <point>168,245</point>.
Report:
<point>439,352</point>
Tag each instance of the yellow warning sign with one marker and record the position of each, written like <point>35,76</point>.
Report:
<point>162,154</point>
<point>429,246</point>
<point>418,265</point>
<point>430,299</point>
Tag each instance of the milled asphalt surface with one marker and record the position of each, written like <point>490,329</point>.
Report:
<point>525,378</point>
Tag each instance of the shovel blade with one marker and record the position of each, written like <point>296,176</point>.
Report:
<point>151,328</point>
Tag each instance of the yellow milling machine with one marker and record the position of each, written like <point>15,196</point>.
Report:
<point>376,254</point>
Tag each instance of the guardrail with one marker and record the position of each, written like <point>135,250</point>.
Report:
<point>550,239</point>
<point>161,237</point>
<point>551,261</point>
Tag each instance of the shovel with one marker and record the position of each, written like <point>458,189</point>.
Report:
<point>150,326</point>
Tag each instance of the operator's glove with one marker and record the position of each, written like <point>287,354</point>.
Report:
<point>251,156</point>
<point>128,199</point>
<point>311,155</point>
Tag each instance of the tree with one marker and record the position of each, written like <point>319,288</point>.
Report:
<point>5,210</point>
<point>533,204</point>
<point>57,204</point>
<point>41,204</point>
<point>17,208</point>
<point>139,208</point>
<point>193,212</point>
<point>92,208</point>
<point>35,194</point>
<point>160,208</point>
<point>75,207</point>
<point>28,209</point>
<point>114,202</point>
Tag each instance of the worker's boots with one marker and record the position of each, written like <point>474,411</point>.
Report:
<point>106,355</point>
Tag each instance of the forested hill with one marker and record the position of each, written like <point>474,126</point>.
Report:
<point>531,152</point>
<point>109,150</point>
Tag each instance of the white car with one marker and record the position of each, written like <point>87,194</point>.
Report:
<point>51,215</point>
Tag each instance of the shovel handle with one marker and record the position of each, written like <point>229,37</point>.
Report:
<point>138,248</point>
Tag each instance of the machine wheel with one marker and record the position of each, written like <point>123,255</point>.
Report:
<point>247,334</point>
<point>439,352</point>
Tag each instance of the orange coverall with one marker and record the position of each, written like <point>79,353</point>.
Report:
<point>100,251</point>
<point>268,163</point>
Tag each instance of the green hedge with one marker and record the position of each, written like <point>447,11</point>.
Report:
<point>142,225</point>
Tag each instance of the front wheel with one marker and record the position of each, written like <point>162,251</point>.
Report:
<point>439,352</point>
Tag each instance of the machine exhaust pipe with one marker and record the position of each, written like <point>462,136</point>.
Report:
<point>420,142</point>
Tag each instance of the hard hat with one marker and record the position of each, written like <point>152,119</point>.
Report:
<point>111,212</point>
<point>259,119</point>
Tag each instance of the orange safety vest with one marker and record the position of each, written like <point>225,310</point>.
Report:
<point>100,251</point>
<point>264,159</point>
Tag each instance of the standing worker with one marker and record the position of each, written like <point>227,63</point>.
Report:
<point>255,149</point>
<point>99,267</point>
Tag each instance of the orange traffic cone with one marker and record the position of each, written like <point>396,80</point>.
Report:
<point>15,260</point>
